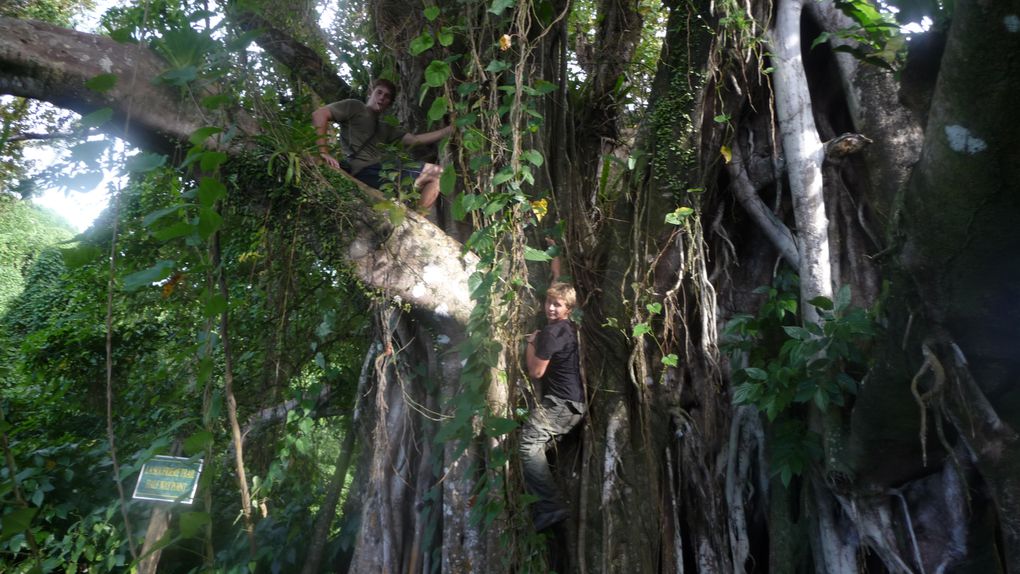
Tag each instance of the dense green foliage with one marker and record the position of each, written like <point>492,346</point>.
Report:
<point>167,368</point>
<point>785,365</point>
<point>26,232</point>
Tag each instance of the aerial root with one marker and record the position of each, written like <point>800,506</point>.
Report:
<point>932,363</point>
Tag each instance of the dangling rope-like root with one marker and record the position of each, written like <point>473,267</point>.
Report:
<point>932,363</point>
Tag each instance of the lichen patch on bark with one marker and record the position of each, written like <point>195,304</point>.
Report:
<point>962,140</point>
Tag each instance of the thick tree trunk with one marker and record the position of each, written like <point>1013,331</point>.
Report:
<point>961,212</point>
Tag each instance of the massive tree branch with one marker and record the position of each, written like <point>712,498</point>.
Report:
<point>304,62</point>
<point>49,63</point>
<point>415,261</point>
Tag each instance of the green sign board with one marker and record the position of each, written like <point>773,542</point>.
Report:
<point>170,479</point>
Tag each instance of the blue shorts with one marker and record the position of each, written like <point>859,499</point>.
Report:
<point>377,174</point>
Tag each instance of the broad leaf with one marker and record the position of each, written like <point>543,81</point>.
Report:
<point>161,270</point>
<point>532,254</point>
<point>96,118</point>
<point>437,73</point>
<point>145,162</point>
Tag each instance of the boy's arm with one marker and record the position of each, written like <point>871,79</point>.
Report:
<point>411,140</point>
<point>555,266</point>
<point>320,121</point>
<point>536,366</point>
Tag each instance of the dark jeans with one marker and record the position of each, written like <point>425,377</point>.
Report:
<point>372,175</point>
<point>551,419</point>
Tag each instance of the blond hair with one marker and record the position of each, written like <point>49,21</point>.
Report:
<point>564,292</point>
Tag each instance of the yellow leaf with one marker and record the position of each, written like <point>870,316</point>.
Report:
<point>169,286</point>
<point>726,153</point>
<point>540,207</point>
<point>504,42</point>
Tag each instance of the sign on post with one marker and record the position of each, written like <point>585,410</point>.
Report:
<point>169,479</point>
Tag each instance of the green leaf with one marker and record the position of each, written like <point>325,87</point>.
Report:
<point>466,203</point>
<point>101,83</point>
<point>798,333</point>
<point>497,426</point>
<point>197,442</point>
<point>437,73</point>
<point>534,157</point>
<point>155,216</point>
<point>671,360</point>
<point>96,118</point>
<point>431,13</point>
<point>214,306</point>
<point>393,210</point>
<point>179,229</point>
<point>721,118</point>
<point>504,175</point>
<point>496,66</point>
<point>745,393</point>
<point>821,399</point>
<point>211,160</point>
<point>756,374</point>
<point>821,39</point>
<point>446,36</point>
<point>543,87</point>
<point>438,109</point>
<point>494,206</point>
<point>786,475</point>
<point>158,272</point>
<point>654,308</point>
<point>192,523</point>
<point>199,136</point>
<point>208,222</point>
<point>822,302</point>
<point>421,43</point>
<point>678,216</point>
<point>448,181</point>
<point>641,329</point>
<point>210,190</point>
<point>532,254</point>
<point>145,162</point>
<point>16,522</point>
<point>498,6</point>
<point>180,76</point>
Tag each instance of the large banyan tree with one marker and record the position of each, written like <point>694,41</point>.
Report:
<point>789,229</point>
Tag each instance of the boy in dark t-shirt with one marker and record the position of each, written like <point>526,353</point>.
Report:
<point>364,133</point>
<point>551,357</point>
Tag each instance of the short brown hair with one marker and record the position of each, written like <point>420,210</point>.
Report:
<point>384,83</point>
<point>564,292</point>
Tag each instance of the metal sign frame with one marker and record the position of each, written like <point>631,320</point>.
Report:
<point>169,479</point>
